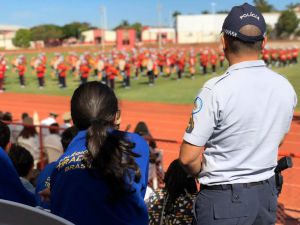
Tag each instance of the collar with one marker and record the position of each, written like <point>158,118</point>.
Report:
<point>246,64</point>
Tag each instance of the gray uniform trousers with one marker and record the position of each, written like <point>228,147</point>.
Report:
<point>237,204</point>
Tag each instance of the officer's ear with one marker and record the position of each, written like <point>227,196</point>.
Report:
<point>264,42</point>
<point>223,42</point>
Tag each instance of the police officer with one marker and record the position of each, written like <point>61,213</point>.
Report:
<point>238,122</point>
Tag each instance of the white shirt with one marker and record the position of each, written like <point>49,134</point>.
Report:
<point>241,118</point>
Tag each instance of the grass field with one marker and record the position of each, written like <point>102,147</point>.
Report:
<point>168,90</point>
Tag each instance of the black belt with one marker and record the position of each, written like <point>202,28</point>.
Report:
<point>229,186</point>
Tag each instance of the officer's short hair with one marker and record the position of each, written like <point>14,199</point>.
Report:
<point>236,45</point>
<point>4,135</point>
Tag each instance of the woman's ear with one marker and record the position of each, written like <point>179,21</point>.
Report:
<point>8,146</point>
<point>118,119</point>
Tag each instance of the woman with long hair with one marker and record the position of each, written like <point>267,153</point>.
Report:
<point>29,139</point>
<point>102,177</point>
<point>174,203</point>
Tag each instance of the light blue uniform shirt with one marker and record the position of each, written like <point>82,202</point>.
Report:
<point>241,118</point>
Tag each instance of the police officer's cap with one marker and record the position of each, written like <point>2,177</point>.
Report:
<point>240,16</point>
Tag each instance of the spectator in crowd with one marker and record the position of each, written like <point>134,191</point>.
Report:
<point>11,187</point>
<point>103,174</point>
<point>67,120</point>
<point>48,121</point>
<point>8,118</point>
<point>29,139</point>
<point>16,129</point>
<point>1,115</point>
<point>43,181</point>
<point>174,203</point>
<point>24,163</point>
<point>52,143</point>
<point>156,172</point>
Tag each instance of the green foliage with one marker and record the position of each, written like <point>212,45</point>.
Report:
<point>287,22</point>
<point>22,38</point>
<point>47,33</point>
<point>175,14</point>
<point>74,29</point>
<point>263,6</point>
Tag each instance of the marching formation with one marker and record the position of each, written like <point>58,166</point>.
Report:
<point>124,65</point>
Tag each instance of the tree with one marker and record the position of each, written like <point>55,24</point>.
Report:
<point>263,6</point>
<point>223,12</point>
<point>74,29</point>
<point>49,33</point>
<point>22,38</point>
<point>287,23</point>
<point>175,14</point>
<point>138,28</point>
<point>123,25</point>
<point>205,12</point>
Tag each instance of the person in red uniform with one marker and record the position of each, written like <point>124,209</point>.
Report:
<point>295,55</point>
<point>2,74</point>
<point>180,65</point>
<point>40,72</point>
<point>62,73</point>
<point>204,61</point>
<point>213,60</point>
<point>222,58</point>
<point>266,56</point>
<point>127,73</point>
<point>84,71</point>
<point>282,57</point>
<point>21,72</point>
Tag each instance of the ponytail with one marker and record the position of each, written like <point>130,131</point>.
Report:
<point>112,158</point>
<point>94,107</point>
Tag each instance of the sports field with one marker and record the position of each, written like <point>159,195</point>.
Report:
<point>166,90</point>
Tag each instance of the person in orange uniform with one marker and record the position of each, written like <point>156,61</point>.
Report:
<point>204,61</point>
<point>111,73</point>
<point>213,60</point>
<point>2,75</point>
<point>84,71</point>
<point>127,73</point>
<point>180,65</point>
<point>222,58</point>
<point>21,72</point>
<point>40,72</point>
<point>62,73</point>
<point>295,51</point>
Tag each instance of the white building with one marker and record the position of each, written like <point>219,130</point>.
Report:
<point>96,36</point>
<point>7,33</point>
<point>207,27</point>
<point>152,35</point>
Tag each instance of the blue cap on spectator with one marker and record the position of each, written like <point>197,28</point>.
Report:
<point>240,16</point>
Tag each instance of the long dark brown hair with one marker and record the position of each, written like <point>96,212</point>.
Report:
<point>93,108</point>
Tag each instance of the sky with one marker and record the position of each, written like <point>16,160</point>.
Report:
<point>29,13</point>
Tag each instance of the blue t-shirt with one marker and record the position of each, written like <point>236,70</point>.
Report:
<point>42,183</point>
<point>11,188</point>
<point>81,198</point>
